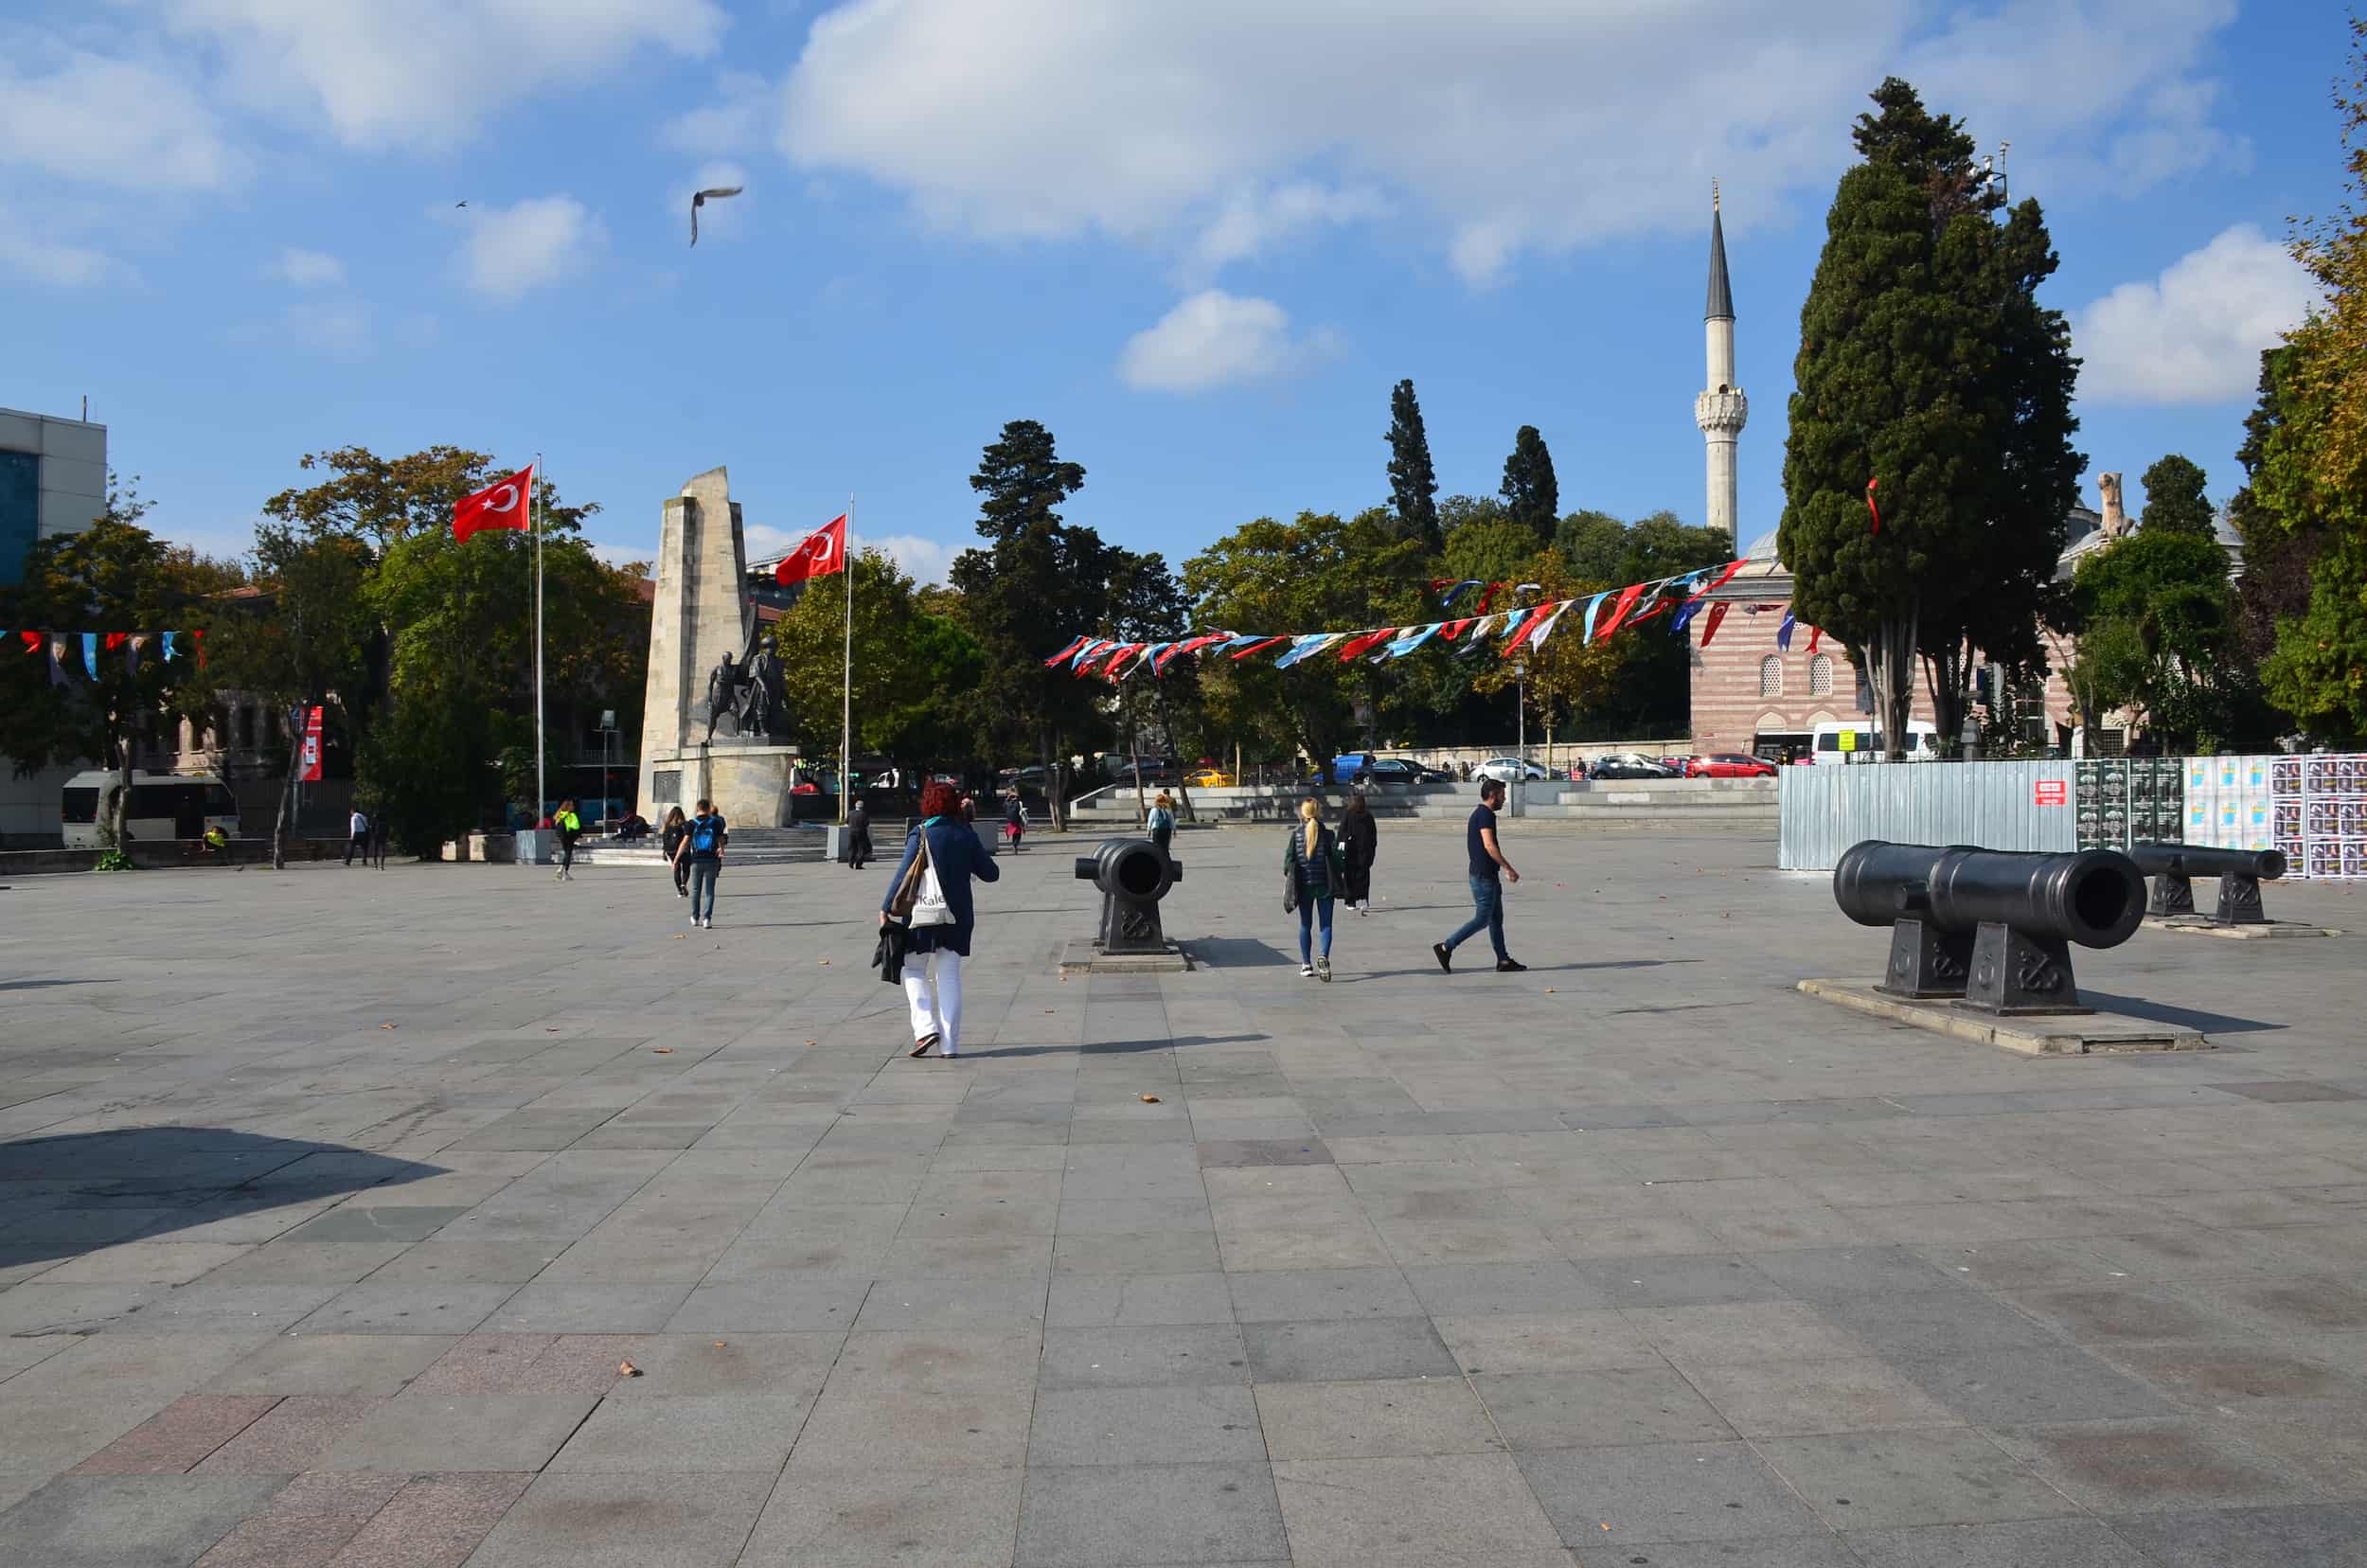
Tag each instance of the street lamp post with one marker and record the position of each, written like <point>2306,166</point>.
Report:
<point>608,736</point>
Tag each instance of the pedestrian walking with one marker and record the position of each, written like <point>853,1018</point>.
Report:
<point>378,840</point>
<point>1312,875</point>
<point>858,834</point>
<point>702,851</point>
<point>1489,866</point>
<point>1015,818</point>
<point>568,825</point>
<point>1358,839</point>
<point>358,836</point>
<point>931,892</point>
<point>1161,822</point>
<point>670,839</point>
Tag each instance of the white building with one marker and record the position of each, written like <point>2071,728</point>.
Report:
<point>53,480</point>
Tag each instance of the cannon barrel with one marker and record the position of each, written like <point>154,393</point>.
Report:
<point>1131,868</point>
<point>2189,860</point>
<point>2092,896</point>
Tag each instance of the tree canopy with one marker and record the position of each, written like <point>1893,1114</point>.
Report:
<point>1529,491</point>
<point>1413,481</point>
<point>2175,501</point>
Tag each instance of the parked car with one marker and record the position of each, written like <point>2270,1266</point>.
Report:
<point>1505,769</point>
<point>1210,779</point>
<point>1728,765</point>
<point>1628,765</point>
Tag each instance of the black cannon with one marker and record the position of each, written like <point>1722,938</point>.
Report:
<point>1993,927</point>
<point>1133,875</point>
<point>2174,867</point>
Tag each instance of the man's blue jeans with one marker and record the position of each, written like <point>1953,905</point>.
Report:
<point>702,875</point>
<point>1487,912</point>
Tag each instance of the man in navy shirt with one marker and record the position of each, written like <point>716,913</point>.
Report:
<point>1487,893</point>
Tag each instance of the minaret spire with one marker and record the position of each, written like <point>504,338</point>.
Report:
<point>1721,410</point>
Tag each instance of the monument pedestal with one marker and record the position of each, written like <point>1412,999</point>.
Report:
<point>749,781</point>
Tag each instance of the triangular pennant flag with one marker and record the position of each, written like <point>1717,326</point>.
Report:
<point>1783,633</point>
<point>1593,606</point>
<point>57,657</point>
<point>1414,639</point>
<point>1530,621</point>
<point>89,654</point>
<point>1709,628</point>
<point>1446,600</point>
<point>1453,629</point>
<point>1871,506</point>
<point>168,646</point>
<point>1307,647</point>
<point>1489,596</point>
<point>1620,608</point>
<point>1068,653</point>
<point>1257,645</point>
<point>1363,641</point>
<point>1816,635</point>
<point>1684,617</point>
<point>1537,638</point>
<point>1150,657</point>
<point>1724,575</point>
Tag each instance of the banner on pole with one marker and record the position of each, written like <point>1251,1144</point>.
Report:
<point>308,770</point>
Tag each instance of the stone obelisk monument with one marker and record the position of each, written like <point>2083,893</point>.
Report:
<point>703,621</point>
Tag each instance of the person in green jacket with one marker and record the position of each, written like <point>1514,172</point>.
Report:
<point>569,825</point>
<point>1315,872</point>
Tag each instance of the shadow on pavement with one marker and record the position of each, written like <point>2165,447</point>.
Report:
<point>63,1196</point>
<point>1120,1047</point>
<point>2209,1023</point>
<point>1234,952</point>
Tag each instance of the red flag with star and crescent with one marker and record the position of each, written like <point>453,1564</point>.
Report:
<point>819,554</point>
<point>502,504</point>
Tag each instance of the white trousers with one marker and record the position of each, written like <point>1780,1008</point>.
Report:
<point>932,985</point>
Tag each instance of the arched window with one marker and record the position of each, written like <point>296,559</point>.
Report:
<point>1771,676</point>
<point>1821,675</point>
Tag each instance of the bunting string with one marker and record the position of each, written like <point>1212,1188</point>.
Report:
<point>77,653</point>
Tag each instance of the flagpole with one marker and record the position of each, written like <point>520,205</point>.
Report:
<point>846,692</point>
<point>541,793</point>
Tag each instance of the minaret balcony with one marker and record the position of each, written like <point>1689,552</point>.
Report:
<point>1723,412</point>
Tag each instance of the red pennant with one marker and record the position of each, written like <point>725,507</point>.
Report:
<point>1068,653</point>
<point>1453,629</point>
<point>1258,647</point>
<point>1871,506</point>
<point>1816,634</point>
<point>116,639</point>
<point>31,641</point>
<point>1724,577</point>
<point>1718,613</point>
<point>1529,622</point>
<point>1619,610</point>
<point>1487,596</point>
<point>1366,641</point>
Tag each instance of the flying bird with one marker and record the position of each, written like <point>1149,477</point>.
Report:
<point>701,200</point>
<point>460,203</point>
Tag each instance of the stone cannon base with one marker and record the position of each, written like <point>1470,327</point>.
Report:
<point>1083,955</point>
<point>2203,925</point>
<point>2080,1033</point>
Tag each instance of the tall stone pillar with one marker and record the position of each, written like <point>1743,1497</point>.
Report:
<point>1721,410</point>
<point>702,612</point>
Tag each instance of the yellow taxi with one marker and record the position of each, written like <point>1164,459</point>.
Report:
<point>1210,779</point>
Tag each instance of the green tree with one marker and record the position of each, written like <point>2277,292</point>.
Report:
<point>1316,573</point>
<point>1529,491</point>
<point>1038,583</point>
<point>1928,366</point>
<point>1594,543</point>
<point>1413,482</point>
<point>2157,635</point>
<point>113,576</point>
<point>910,666</point>
<point>2281,555</point>
<point>2175,501</point>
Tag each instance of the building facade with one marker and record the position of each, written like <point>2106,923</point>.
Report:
<point>53,480</point>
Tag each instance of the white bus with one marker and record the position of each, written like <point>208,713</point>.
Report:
<point>164,806</point>
<point>1857,740</point>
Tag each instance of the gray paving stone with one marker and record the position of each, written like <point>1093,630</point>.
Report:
<point>1275,1295</point>
<point>2318,1536</point>
<point>2023,1543</point>
<point>1663,1492</point>
<point>605,1520</point>
<point>368,1308</point>
<point>834,1518</point>
<point>1676,1281</point>
<point>2135,1467</point>
<point>376,1364</point>
<point>1157,1425</point>
<point>1605,1409</point>
<point>1390,1418</point>
<point>1117,1515</point>
<point>1468,1510</point>
<point>1359,1349</point>
<point>1086,1301</point>
<point>421,1433</point>
<point>816,1302</point>
<point>567,1308</point>
<point>2018,1387</point>
<point>390,1222</point>
<point>130,1520</point>
<point>1884,1480</point>
<point>702,1433</point>
<point>1109,1358</point>
<point>1474,1289</point>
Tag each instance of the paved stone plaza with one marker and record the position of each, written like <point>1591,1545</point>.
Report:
<point>336,1200</point>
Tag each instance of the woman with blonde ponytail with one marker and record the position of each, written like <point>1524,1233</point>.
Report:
<point>1313,873</point>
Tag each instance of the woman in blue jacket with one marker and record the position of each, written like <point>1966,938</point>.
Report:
<point>1313,868</point>
<point>933,953</point>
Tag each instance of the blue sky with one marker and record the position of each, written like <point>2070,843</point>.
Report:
<point>1199,242</point>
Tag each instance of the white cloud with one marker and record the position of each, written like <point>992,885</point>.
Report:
<point>58,265</point>
<point>2195,335</point>
<point>1212,339</point>
<point>1507,125</point>
<point>512,250</point>
<point>308,269</point>
<point>426,73</point>
<point>116,122</point>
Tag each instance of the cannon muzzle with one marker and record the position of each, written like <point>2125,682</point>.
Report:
<point>1133,875</point>
<point>1993,926</point>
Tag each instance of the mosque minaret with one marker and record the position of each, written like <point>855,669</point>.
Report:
<point>1721,410</point>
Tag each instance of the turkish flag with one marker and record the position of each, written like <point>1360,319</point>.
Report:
<point>822,552</point>
<point>500,504</point>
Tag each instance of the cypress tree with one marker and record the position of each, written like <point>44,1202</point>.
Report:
<point>1413,482</point>
<point>1530,494</point>
<point>1927,367</point>
<point>2175,501</point>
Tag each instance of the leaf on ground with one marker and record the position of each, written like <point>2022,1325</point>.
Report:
<point>1151,1099</point>
<point>661,1050</point>
<point>626,1369</point>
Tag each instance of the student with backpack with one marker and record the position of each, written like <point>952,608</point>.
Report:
<point>1162,822</point>
<point>569,827</point>
<point>702,847</point>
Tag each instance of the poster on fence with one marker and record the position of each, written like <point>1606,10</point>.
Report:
<point>2313,809</point>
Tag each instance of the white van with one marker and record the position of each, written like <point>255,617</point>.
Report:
<point>164,806</point>
<point>1857,740</point>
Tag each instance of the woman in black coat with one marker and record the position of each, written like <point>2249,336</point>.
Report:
<point>1359,838</point>
<point>933,953</point>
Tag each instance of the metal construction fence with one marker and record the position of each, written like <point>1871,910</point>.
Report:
<point>2313,808</point>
